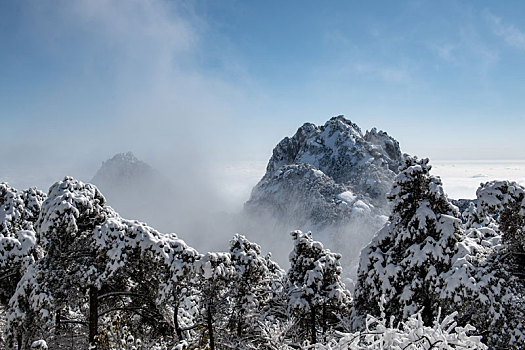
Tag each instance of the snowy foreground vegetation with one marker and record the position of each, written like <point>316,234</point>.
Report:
<point>73,273</point>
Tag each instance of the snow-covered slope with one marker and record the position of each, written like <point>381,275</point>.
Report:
<point>332,179</point>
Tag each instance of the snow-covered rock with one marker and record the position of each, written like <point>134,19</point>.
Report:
<point>325,172</point>
<point>331,179</point>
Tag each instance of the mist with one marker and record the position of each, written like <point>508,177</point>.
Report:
<point>152,77</point>
<point>136,80</point>
<point>133,80</point>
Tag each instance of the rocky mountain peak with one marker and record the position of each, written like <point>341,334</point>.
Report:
<point>121,167</point>
<point>310,138</point>
<point>340,150</point>
<point>331,179</point>
<point>386,146</point>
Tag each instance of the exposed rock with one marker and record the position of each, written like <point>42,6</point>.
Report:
<point>321,174</point>
<point>330,179</point>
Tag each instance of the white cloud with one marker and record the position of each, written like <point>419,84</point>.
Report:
<point>131,78</point>
<point>446,52</point>
<point>508,32</point>
<point>461,179</point>
<point>142,21</point>
<point>385,73</point>
<point>469,50</point>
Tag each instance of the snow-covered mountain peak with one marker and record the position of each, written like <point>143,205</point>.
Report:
<point>311,140</point>
<point>122,167</point>
<point>332,179</point>
<point>340,150</point>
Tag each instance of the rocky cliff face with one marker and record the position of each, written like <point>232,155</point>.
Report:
<point>332,179</point>
<point>323,174</point>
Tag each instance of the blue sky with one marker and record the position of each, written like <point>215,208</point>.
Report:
<point>82,80</point>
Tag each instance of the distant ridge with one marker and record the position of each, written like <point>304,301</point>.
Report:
<point>121,168</point>
<point>134,188</point>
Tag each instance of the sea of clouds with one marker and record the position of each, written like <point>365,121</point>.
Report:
<point>460,178</point>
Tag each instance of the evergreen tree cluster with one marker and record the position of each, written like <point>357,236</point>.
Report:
<point>75,274</point>
<point>429,257</point>
<point>100,280</point>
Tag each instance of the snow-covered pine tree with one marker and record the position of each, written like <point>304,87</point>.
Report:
<point>479,285</point>
<point>314,286</point>
<point>214,275</point>
<point>505,200</point>
<point>251,289</point>
<point>97,265</point>
<point>488,274</point>
<point>405,261</point>
<point>144,275</point>
<point>18,243</point>
<point>67,272</point>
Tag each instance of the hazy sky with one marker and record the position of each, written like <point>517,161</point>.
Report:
<point>179,81</point>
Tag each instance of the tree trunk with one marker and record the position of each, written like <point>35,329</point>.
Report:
<point>312,325</point>
<point>93,315</point>
<point>426,315</point>
<point>19,341</point>
<point>239,329</point>
<point>58,321</point>
<point>210,328</point>
<point>323,322</point>
<point>178,330</point>
<point>239,324</point>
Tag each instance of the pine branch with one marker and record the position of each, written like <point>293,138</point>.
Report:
<point>112,294</point>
